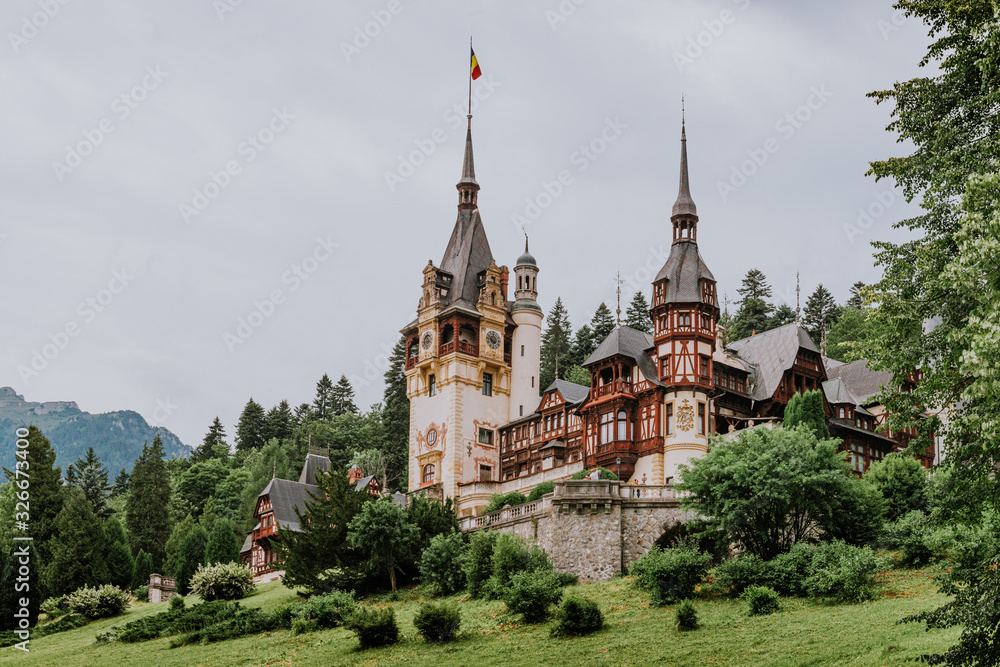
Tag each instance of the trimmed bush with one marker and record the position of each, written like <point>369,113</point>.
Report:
<point>687,617</point>
<point>532,593</point>
<point>176,602</point>
<point>479,562</point>
<point>103,602</point>
<point>498,502</point>
<point>541,490</point>
<point>374,628</point>
<point>301,626</point>
<point>442,564</point>
<point>438,623</point>
<point>737,574</point>
<point>511,555</point>
<point>844,572</point>
<point>761,600</point>
<point>54,606</point>
<point>577,616</point>
<point>222,581</point>
<point>327,611</point>
<point>671,575</point>
<point>788,571</point>
<point>603,473</point>
<point>141,593</point>
<point>567,579</point>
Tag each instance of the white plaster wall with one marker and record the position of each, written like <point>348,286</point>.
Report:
<point>529,334</point>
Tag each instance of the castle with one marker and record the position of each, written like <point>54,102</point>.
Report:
<point>480,424</point>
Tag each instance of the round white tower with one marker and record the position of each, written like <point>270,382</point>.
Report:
<point>526,344</point>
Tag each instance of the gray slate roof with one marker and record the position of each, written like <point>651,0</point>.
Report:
<point>571,392</point>
<point>631,343</point>
<point>286,495</point>
<point>837,392</point>
<point>684,271</point>
<point>863,382</point>
<point>313,463</point>
<point>772,352</point>
<point>468,254</point>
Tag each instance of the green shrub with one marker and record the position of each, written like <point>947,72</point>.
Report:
<point>761,600</point>
<point>327,611</point>
<point>842,571</point>
<point>442,564</point>
<point>913,536</point>
<point>687,617</point>
<point>374,628</point>
<point>902,482</point>
<point>479,562</point>
<point>301,626</point>
<point>54,606</point>
<point>222,581</point>
<point>177,602</point>
<point>531,593</point>
<point>603,473</point>
<point>670,575</point>
<point>737,574</point>
<point>141,593</point>
<point>103,602</point>
<point>498,502</point>
<point>67,622</point>
<point>236,622</point>
<point>577,616</point>
<point>788,571</point>
<point>438,623</point>
<point>567,579</point>
<point>511,555</point>
<point>541,490</point>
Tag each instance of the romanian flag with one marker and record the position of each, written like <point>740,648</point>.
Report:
<point>476,72</point>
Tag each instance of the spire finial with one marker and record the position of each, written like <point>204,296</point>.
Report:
<point>526,243</point>
<point>684,204</point>
<point>797,310</point>
<point>618,310</point>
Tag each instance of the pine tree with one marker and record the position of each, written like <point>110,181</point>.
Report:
<point>141,569</point>
<point>578,375</point>
<point>192,556</point>
<point>857,297</point>
<point>117,554</point>
<point>75,469</point>
<point>753,315</point>
<point>121,484</point>
<point>637,315</point>
<point>555,346</point>
<point>223,544</point>
<point>322,405</point>
<point>821,311</point>
<point>807,408</point>
<point>78,547</point>
<point>279,422</point>
<point>582,347</point>
<point>147,515</point>
<point>214,445</point>
<point>44,482</point>
<point>303,413</point>
<point>602,324</point>
<point>175,543</point>
<point>93,481</point>
<point>250,429</point>
<point>342,398</point>
<point>396,415</point>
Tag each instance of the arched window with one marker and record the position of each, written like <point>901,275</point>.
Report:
<point>519,279</point>
<point>622,420</point>
<point>428,473</point>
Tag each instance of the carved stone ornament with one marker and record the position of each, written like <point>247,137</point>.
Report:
<point>685,416</point>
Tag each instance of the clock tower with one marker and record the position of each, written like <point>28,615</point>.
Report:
<point>459,371</point>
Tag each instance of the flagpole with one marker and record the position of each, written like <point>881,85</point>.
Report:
<point>470,82</point>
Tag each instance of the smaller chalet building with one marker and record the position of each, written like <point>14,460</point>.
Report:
<point>276,507</point>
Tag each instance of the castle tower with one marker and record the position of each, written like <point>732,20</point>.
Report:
<point>526,350</point>
<point>685,314</point>
<point>458,360</point>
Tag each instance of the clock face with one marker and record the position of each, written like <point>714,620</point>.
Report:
<point>427,340</point>
<point>432,437</point>
<point>493,339</point>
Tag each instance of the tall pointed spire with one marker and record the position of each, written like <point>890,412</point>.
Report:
<point>684,204</point>
<point>468,187</point>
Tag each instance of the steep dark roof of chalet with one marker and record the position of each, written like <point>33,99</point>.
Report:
<point>363,482</point>
<point>851,426</point>
<point>837,392</point>
<point>286,495</point>
<point>863,382</point>
<point>247,543</point>
<point>684,270</point>
<point>467,255</point>
<point>772,352</point>
<point>631,343</point>
<point>571,392</point>
<point>313,463</point>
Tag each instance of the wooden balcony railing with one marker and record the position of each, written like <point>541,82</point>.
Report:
<point>614,387</point>
<point>468,348</point>
<point>446,348</point>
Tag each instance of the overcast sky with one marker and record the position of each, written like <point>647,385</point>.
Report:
<point>166,169</point>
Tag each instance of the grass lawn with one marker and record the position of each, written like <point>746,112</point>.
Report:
<point>804,632</point>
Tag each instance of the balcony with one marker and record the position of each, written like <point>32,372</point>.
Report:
<point>614,387</point>
<point>468,348</point>
<point>446,348</point>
